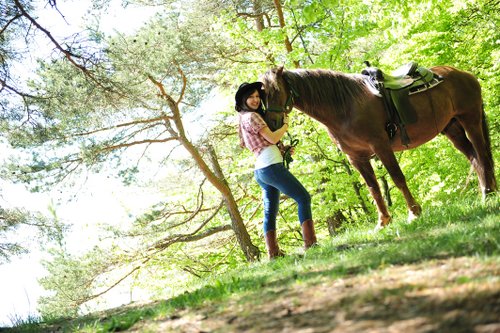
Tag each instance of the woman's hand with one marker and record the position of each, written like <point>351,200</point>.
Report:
<point>288,149</point>
<point>274,137</point>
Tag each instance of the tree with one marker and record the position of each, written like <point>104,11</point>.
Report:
<point>63,80</point>
<point>11,26</point>
<point>18,28</point>
<point>132,98</point>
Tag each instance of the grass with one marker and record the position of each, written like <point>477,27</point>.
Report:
<point>465,228</point>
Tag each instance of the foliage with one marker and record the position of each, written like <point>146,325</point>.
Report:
<point>99,120</point>
<point>9,221</point>
<point>35,228</point>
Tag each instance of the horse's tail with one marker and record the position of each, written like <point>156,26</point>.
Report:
<point>486,134</point>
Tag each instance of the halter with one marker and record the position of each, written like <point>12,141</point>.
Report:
<point>290,101</point>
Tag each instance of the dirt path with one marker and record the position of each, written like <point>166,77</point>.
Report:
<point>452,295</point>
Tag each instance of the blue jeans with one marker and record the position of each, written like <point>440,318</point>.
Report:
<point>276,179</point>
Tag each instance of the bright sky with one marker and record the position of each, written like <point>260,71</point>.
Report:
<point>102,200</point>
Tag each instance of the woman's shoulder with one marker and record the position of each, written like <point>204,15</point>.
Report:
<point>251,116</point>
<point>252,121</point>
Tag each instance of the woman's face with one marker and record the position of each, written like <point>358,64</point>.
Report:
<point>253,101</point>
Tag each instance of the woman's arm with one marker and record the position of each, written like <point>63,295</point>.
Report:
<point>274,137</point>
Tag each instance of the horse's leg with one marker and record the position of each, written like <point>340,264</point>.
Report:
<point>456,134</point>
<point>387,157</point>
<point>362,164</point>
<point>481,159</point>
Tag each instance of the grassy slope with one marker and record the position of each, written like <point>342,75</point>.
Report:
<point>439,274</point>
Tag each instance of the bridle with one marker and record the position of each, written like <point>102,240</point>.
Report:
<point>290,101</point>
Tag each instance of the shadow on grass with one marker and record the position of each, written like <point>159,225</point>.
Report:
<point>377,309</point>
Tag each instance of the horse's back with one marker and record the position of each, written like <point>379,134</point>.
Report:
<point>457,96</point>
<point>462,86</point>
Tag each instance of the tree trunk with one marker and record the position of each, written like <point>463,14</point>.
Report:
<point>281,19</point>
<point>386,190</point>
<point>257,11</point>
<point>216,177</point>
<point>335,221</point>
<point>356,186</point>
<point>252,252</point>
<point>218,181</point>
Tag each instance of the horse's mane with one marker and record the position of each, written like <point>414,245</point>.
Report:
<point>317,88</point>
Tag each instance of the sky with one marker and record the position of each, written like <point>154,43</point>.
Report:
<point>100,201</point>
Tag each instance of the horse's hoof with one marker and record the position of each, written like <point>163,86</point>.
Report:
<point>382,223</point>
<point>412,217</point>
<point>488,194</point>
<point>414,212</point>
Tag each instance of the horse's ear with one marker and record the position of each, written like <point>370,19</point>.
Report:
<point>279,71</point>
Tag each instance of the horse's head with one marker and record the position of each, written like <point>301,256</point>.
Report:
<point>279,97</point>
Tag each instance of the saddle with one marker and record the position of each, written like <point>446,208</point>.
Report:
<point>395,89</point>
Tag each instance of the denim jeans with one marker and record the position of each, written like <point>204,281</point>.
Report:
<point>276,179</point>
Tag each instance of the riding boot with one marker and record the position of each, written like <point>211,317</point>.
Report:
<point>308,234</point>
<point>272,245</point>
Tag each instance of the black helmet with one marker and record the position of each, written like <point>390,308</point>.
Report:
<point>244,90</point>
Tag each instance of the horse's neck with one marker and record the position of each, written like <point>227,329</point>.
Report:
<point>330,119</point>
<point>320,106</point>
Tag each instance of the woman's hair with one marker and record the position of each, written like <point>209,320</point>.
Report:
<point>244,91</point>
<point>242,103</point>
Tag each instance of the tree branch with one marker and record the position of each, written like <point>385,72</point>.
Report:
<point>191,237</point>
<point>131,123</point>
<point>135,143</point>
<point>9,22</point>
<point>81,301</point>
<point>68,55</point>
<point>184,84</point>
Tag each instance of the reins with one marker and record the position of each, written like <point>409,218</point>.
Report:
<point>287,155</point>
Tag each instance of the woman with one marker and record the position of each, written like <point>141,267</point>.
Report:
<point>269,170</point>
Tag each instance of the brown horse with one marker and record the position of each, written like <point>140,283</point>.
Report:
<point>356,119</point>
